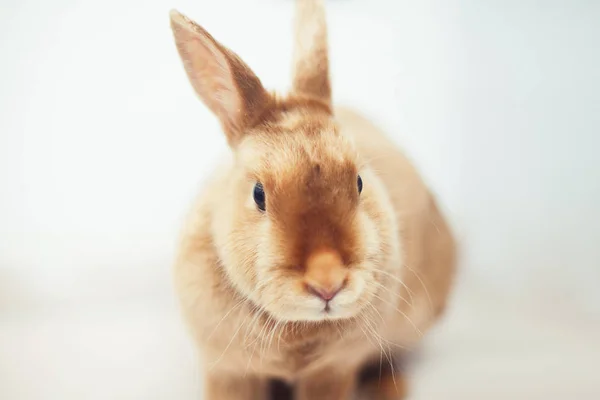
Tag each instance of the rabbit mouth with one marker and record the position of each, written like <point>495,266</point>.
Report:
<point>330,313</point>
<point>333,311</point>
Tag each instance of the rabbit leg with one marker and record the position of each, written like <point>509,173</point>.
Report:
<point>224,387</point>
<point>382,381</point>
<point>389,387</point>
<point>327,385</point>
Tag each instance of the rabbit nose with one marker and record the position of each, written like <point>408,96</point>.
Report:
<point>325,274</point>
<point>325,293</point>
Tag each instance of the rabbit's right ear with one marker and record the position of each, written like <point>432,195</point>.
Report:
<point>221,79</point>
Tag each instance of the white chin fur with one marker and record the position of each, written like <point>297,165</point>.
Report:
<point>315,314</point>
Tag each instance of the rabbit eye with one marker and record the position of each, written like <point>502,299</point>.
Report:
<point>259,196</point>
<point>360,184</point>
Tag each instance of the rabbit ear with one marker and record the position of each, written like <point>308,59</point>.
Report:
<point>221,79</point>
<point>311,59</point>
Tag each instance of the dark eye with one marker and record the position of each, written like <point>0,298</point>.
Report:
<point>259,196</point>
<point>359,183</point>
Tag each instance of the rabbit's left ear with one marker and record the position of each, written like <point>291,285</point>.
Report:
<point>311,55</point>
<point>221,79</point>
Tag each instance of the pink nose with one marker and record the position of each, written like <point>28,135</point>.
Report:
<point>325,293</point>
<point>325,274</point>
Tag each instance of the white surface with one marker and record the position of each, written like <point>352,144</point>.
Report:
<point>488,348</point>
<point>102,145</point>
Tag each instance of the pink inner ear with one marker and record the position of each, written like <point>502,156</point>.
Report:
<point>210,74</point>
<point>223,82</point>
<point>226,96</point>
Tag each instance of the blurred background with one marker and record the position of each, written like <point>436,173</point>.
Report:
<point>103,145</point>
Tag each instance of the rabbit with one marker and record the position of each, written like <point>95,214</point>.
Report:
<point>315,248</point>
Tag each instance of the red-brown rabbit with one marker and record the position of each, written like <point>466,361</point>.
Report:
<point>315,248</point>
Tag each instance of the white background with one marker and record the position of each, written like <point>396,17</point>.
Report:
<point>103,143</point>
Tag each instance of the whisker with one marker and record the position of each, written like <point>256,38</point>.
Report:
<point>389,357</point>
<point>410,292</point>
<point>403,314</point>
<point>397,295</point>
<point>272,334</point>
<point>263,341</point>
<point>337,327</point>
<point>249,361</point>
<point>387,342</point>
<point>237,305</point>
<point>285,326</point>
<point>252,325</point>
<point>258,312</point>
<point>380,341</point>
<point>367,336</point>
<point>423,284</point>
<point>377,311</point>
<point>229,344</point>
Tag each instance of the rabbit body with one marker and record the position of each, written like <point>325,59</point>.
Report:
<point>315,247</point>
